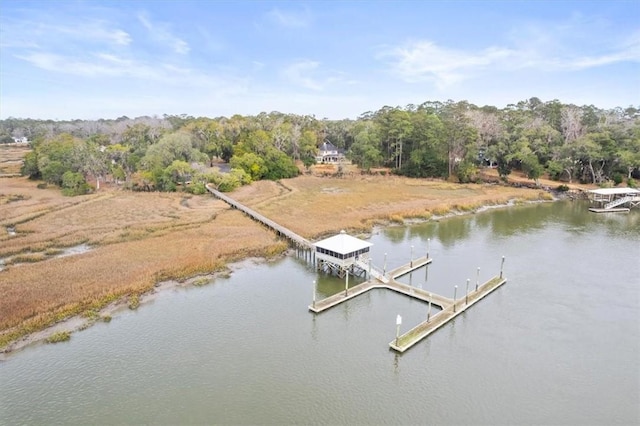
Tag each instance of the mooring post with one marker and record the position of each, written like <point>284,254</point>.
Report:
<point>346,283</point>
<point>411,263</point>
<point>384,268</point>
<point>398,323</point>
<point>426,274</point>
<point>477,278</point>
<point>428,244</point>
<point>429,310</point>
<point>455,295</point>
<point>466,296</point>
<point>314,293</point>
<point>501,266</point>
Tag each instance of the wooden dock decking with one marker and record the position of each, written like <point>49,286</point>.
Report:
<point>391,284</point>
<point>296,239</point>
<point>449,308</point>
<point>425,328</point>
<point>610,210</point>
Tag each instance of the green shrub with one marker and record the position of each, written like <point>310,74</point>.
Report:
<point>617,179</point>
<point>134,301</point>
<point>59,336</point>
<point>562,188</point>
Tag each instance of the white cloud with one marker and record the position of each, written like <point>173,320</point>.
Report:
<point>425,60</point>
<point>163,35</point>
<point>300,74</point>
<point>308,74</point>
<point>30,33</point>
<point>289,19</point>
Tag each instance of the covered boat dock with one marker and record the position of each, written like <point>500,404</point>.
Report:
<point>608,200</point>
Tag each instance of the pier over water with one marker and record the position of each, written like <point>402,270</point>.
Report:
<point>334,257</point>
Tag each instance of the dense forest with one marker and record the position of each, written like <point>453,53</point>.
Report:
<point>450,140</point>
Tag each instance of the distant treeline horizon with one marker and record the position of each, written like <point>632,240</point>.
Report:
<point>433,139</point>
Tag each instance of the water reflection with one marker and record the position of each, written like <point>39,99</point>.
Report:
<point>246,350</point>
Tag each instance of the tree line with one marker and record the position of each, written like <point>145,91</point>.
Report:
<point>433,139</point>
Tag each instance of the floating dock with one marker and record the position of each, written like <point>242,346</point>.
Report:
<point>392,284</point>
<point>450,308</point>
<point>610,210</point>
<point>425,328</point>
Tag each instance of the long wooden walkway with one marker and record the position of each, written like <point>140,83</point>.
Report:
<point>296,239</point>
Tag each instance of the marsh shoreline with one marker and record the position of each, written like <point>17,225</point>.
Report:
<point>82,321</point>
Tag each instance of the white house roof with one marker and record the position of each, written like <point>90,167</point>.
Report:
<point>614,191</point>
<point>343,243</point>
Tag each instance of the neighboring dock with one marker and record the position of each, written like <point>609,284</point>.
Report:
<point>610,210</point>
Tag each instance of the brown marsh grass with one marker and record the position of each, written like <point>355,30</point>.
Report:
<point>11,157</point>
<point>315,206</point>
<point>139,239</point>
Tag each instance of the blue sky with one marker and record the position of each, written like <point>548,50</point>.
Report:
<point>334,59</point>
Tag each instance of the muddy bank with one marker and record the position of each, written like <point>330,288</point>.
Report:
<point>83,321</point>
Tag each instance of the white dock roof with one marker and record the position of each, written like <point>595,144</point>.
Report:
<point>343,243</point>
<point>615,191</point>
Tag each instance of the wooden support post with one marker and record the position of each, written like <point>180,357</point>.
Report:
<point>346,283</point>
<point>429,310</point>
<point>426,274</point>
<point>477,278</point>
<point>384,268</point>
<point>455,295</point>
<point>411,263</point>
<point>466,296</point>
<point>314,293</point>
<point>501,266</point>
<point>369,275</point>
<point>428,244</point>
<point>398,323</point>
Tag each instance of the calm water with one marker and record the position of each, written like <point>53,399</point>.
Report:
<point>558,344</point>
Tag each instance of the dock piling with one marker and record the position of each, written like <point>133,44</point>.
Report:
<point>428,244</point>
<point>501,266</point>
<point>398,323</point>
<point>477,278</point>
<point>466,296</point>
<point>455,295</point>
<point>411,263</point>
<point>429,310</point>
<point>384,267</point>
<point>314,293</point>
<point>346,283</point>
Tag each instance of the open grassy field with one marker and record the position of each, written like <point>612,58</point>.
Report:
<point>11,156</point>
<point>136,240</point>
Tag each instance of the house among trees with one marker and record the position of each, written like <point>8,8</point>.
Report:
<point>328,153</point>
